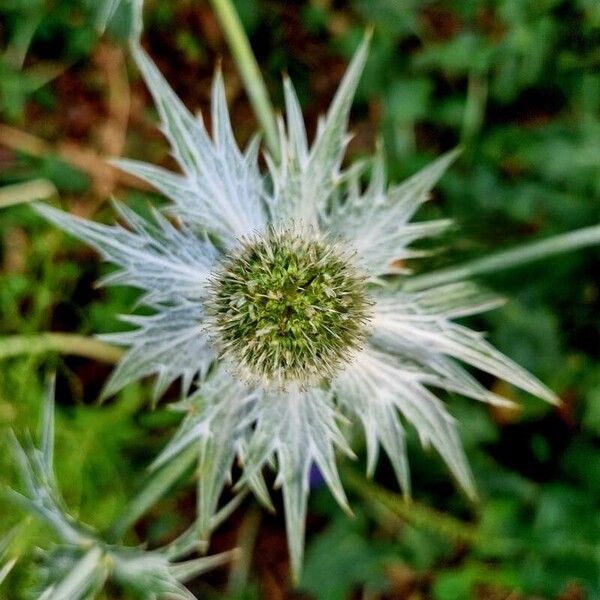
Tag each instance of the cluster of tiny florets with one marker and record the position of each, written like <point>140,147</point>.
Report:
<point>288,307</point>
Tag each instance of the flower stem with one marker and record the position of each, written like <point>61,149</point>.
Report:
<point>155,486</point>
<point>21,193</point>
<point>412,512</point>
<point>64,343</point>
<point>246,62</point>
<point>507,259</point>
<point>474,114</point>
<point>426,518</point>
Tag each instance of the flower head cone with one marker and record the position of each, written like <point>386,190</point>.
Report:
<point>274,293</point>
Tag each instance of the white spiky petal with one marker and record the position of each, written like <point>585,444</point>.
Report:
<point>412,348</point>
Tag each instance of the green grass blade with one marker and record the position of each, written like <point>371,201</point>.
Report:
<point>507,259</point>
<point>63,343</point>
<point>246,62</point>
<point>29,191</point>
<point>157,484</point>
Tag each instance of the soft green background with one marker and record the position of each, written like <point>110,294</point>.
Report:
<point>517,84</point>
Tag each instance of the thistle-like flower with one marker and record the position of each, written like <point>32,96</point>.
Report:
<point>81,564</point>
<point>280,295</point>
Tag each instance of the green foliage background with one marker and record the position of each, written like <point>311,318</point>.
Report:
<point>517,84</point>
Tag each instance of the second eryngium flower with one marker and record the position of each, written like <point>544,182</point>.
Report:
<point>275,294</point>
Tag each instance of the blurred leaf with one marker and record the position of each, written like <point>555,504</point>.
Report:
<point>332,575</point>
<point>460,583</point>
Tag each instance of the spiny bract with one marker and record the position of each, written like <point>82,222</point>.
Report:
<point>374,375</point>
<point>81,564</point>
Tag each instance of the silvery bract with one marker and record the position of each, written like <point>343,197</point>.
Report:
<point>279,293</point>
<point>80,565</point>
<point>107,10</point>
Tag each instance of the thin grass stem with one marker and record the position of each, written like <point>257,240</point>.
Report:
<point>63,343</point>
<point>507,259</point>
<point>29,191</point>
<point>154,488</point>
<point>426,518</point>
<point>249,70</point>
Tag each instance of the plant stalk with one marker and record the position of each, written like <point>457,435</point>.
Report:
<point>29,191</point>
<point>419,515</point>
<point>249,70</point>
<point>64,343</point>
<point>426,518</point>
<point>507,259</point>
<point>155,486</point>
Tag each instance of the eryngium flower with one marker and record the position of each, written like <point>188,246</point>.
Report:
<point>80,565</point>
<point>280,294</point>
